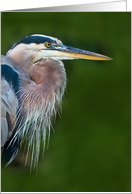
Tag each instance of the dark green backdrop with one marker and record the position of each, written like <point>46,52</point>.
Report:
<point>90,149</point>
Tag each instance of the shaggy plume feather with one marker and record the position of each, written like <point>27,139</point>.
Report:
<point>39,107</point>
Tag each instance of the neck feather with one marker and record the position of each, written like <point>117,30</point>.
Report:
<point>40,103</point>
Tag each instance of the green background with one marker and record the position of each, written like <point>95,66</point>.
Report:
<point>90,150</point>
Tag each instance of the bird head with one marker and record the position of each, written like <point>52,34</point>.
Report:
<point>36,47</point>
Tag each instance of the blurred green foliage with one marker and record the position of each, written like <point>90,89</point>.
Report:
<point>90,150</point>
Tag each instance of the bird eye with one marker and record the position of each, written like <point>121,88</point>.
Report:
<point>48,44</point>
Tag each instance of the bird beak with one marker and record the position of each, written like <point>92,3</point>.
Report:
<point>62,52</point>
<point>66,52</point>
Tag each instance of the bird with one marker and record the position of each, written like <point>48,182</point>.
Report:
<point>33,82</point>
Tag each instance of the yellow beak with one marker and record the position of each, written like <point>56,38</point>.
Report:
<point>67,52</point>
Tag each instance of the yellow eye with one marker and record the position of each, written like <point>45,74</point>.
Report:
<point>48,44</point>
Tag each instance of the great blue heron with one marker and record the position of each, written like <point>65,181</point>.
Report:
<point>32,86</point>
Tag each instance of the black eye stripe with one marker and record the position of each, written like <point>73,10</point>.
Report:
<point>35,39</point>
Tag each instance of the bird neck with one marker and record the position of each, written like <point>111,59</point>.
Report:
<point>50,79</point>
